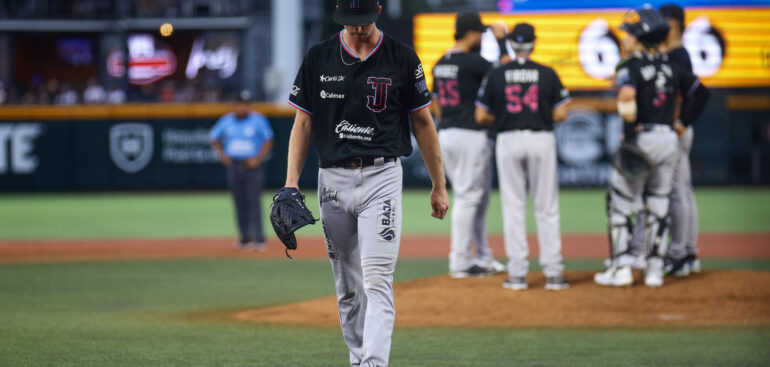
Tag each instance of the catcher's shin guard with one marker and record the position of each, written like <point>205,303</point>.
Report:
<point>657,235</point>
<point>658,222</point>
<point>620,228</point>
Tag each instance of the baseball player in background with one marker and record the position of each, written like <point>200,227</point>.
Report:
<point>243,139</point>
<point>355,95</point>
<point>647,85</point>
<point>465,148</point>
<point>523,100</point>
<point>683,254</point>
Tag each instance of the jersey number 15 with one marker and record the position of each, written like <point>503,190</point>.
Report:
<point>515,100</point>
<point>448,95</point>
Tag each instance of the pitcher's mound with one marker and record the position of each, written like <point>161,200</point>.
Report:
<point>717,297</point>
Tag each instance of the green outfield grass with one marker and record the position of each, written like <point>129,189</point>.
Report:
<point>172,313</point>
<point>142,215</point>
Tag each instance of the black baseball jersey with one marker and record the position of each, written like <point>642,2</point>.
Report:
<point>456,80</point>
<point>680,57</point>
<point>657,82</point>
<point>360,106</point>
<point>522,95</point>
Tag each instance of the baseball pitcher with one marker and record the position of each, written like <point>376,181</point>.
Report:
<point>523,100</point>
<point>355,95</point>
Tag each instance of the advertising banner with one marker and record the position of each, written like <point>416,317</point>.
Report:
<point>729,47</point>
<point>131,154</point>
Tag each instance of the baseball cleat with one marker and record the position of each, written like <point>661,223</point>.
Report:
<point>474,271</point>
<point>496,267</point>
<point>615,277</point>
<point>676,267</point>
<point>556,283</point>
<point>516,283</point>
<point>694,264</point>
<point>682,272</point>
<point>653,276</point>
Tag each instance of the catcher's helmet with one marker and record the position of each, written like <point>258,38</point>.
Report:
<point>647,25</point>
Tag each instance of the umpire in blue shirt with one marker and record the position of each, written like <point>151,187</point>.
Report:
<point>243,138</point>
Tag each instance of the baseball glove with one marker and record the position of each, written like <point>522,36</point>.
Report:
<point>631,162</point>
<point>288,213</point>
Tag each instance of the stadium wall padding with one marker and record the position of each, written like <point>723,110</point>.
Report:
<point>731,147</point>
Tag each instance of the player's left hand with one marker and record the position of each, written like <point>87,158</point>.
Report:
<point>439,201</point>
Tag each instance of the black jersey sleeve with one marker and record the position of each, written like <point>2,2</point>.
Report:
<point>301,96</point>
<point>417,93</point>
<point>626,74</point>
<point>694,94</point>
<point>560,94</point>
<point>687,82</point>
<point>485,98</point>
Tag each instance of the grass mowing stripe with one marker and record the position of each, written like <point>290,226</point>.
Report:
<point>165,215</point>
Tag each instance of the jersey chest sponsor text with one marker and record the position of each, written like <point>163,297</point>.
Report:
<point>336,86</point>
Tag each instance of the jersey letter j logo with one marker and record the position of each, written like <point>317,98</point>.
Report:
<point>378,101</point>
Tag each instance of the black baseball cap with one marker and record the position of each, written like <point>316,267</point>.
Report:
<point>356,12</point>
<point>672,11</point>
<point>522,33</point>
<point>468,21</point>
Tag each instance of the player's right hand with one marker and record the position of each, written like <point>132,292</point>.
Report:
<point>679,128</point>
<point>439,202</point>
<point>227,161</point>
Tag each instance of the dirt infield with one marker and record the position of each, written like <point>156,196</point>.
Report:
<point>719,297</point>
<point>592,246</point>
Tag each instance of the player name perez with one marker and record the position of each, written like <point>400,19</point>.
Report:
<point>446,71</point>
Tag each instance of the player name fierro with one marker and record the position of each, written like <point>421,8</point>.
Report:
<point>522,76</point>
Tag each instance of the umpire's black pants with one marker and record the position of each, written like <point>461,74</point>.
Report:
<point>246,187</point>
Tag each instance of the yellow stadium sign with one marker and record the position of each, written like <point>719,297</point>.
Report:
<point>730,48</point>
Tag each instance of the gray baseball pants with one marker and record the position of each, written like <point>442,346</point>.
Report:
<point>660,146</point>
<point>528,159</point>
<point>684,209</point>
<point>361,218</point>
<point>246,188</point>
<point>467,156</point>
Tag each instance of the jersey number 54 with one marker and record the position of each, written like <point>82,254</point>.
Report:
<point>516,101</point>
